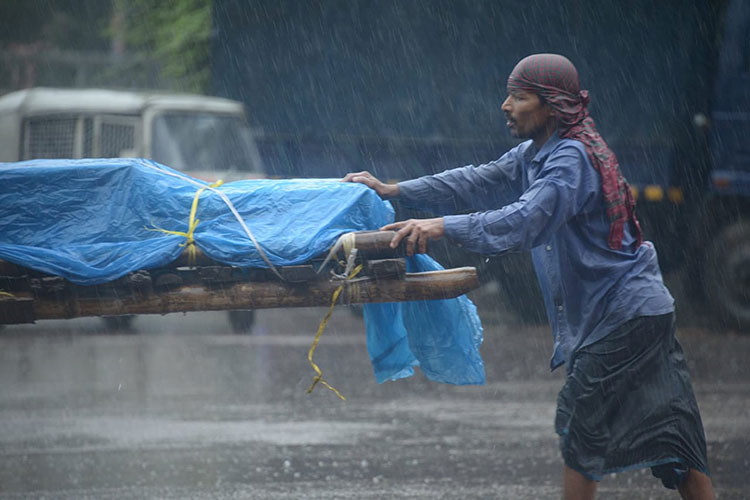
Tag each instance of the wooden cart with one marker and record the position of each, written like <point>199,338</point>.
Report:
<point>206,285</point>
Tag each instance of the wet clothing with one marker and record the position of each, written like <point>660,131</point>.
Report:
<point>550,202</point>
<point>555,79</point>
<point>627,403</point>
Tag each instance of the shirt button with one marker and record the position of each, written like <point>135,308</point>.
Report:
<point>560,308</point>
<point>549,248</point>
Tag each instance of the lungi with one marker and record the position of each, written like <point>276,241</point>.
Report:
<point>628,403</point>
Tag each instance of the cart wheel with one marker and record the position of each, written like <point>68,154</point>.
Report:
<point>242,321</point>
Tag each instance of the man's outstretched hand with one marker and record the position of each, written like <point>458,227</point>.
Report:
<point>366,178</point>
<point>416,232</point>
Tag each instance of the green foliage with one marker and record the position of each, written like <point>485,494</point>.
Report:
<point>176,34</point>
<point>62,24</point>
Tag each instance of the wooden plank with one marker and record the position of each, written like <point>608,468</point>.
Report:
<point>385,268</point>
<point>9,269</point>
<point>252,295</point>
<point>298,274</point>
<point>16,309</point>
<point>14,283</point>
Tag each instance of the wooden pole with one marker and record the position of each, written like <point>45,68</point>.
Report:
<point>386,281</point>
<point>369,244</point>
<point>261,295</point>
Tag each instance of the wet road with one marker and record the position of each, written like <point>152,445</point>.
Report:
<point>184,409</point>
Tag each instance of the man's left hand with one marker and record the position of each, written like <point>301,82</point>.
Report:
<point>417,233</point>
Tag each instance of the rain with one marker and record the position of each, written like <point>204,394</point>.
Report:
<point>199,400</point>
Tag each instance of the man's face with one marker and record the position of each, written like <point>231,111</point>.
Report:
<point>527,117</point>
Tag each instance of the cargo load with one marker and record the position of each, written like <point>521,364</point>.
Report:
<point>96,237</point>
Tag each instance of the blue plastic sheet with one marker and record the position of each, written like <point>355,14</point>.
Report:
<point>92,221</point>
<point>442,337</point>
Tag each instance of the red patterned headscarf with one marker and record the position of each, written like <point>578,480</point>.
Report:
<point>554,78</point>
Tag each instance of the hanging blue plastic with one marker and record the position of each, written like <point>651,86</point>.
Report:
<point>93,221</point>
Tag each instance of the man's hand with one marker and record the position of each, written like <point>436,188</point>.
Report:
<point>366,178</point>
<point>417,233</point>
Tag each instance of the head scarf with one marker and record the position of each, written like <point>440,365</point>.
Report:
<point>554,78</point>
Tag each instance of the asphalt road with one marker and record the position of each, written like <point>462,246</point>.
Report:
<point>181,408</point>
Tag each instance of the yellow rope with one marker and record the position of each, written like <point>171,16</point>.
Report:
<point>319,376</point>
<point>192,224</point>
<point>7,294</point>
<point>348,243</point>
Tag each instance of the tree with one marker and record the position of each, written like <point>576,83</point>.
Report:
<point>62,24</point>
<point>117,41</point>
<point>176,34</point>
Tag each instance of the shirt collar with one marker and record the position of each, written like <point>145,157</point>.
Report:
<point>541,155</point>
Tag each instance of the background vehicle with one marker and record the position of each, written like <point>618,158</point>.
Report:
<point>407,88</point>
<point>206,137</point>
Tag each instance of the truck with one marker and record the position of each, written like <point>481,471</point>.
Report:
<point>206,137</point>
<point>407,88</point>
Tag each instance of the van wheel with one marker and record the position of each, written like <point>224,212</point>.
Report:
<point>242,321</point>
<point>727,276</point>
<point>119,323</point>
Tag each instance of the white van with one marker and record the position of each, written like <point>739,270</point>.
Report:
<point>206,137</point>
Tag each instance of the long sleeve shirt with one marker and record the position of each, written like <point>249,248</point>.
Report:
<point>549,201</point>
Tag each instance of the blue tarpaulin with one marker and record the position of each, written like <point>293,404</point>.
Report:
<point>92,221</point>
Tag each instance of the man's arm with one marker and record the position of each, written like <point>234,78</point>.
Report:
<point>484,187</point>
<point>564,187</point>
<point>524,224</point>
<point>476,187</point>
<point>488,186</point>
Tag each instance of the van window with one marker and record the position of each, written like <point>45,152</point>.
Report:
<point>50,137</point>
<point>203,142</point>
<point>95,136</point>
<point>115,138</point>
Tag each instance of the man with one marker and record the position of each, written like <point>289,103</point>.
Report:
<point>627,401</point>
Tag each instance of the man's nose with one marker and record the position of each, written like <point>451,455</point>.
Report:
<point>506,105</point>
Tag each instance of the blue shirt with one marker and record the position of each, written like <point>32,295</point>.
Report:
<point>550,202</point>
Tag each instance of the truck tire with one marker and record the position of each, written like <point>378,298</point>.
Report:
<point>514,274</point>
<point>242,321</point>
<point>727,276</point>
